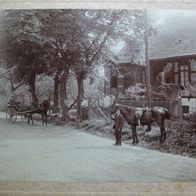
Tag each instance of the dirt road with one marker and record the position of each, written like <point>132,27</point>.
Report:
<point>65,154</point>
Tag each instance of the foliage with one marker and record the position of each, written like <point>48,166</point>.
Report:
<point>165,91</point>
<point>136,92</point>
<point>57,42</point>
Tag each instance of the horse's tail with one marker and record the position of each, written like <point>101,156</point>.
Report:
<point>167,114</point>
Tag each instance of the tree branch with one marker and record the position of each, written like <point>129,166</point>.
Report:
<point>104,39</point>
<point>72,104</point>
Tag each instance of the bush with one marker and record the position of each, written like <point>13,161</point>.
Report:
<point>136,92</point>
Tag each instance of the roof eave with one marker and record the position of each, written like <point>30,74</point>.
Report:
<point>173,57</point>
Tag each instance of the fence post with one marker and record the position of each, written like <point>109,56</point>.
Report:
<point>170,108</point>
<point>98,106</point>
<point>89,108</point>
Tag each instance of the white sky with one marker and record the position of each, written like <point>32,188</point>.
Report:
<point>159,17</point>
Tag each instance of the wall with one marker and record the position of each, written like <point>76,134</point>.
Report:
<point>191,103</point>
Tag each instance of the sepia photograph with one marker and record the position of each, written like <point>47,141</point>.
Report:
<point>97,96</point>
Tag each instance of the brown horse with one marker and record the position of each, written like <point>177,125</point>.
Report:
<point>43,109</point>
<point>156,114</point>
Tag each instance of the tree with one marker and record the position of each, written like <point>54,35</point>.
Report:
<point>99,30</point>
<point>9,74</point>
<point>53,42</point>
<point>24,48</point>
<point>58,26</point>
<point>39,42</point>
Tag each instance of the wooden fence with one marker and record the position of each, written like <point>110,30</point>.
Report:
<point>97,111</point>
<point>171,105</point>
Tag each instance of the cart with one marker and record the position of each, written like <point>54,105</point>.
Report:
<point>14,110</point>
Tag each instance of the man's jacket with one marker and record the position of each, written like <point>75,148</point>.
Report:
<point>118,122</point>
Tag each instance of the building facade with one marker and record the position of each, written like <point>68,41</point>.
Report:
<point>121,76</point>
<point>173,58</point>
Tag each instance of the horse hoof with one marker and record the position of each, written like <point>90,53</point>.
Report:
<point>147,130</point>
<point>162,141</point>
<point>133,142</point>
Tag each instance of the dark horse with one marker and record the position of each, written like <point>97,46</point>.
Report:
<point>156,114</point>
<point>43,109</point>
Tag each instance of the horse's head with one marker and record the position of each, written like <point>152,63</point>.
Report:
<point>115,106</point>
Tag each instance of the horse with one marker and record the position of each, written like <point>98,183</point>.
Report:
<point>43,109</point>
<point>156,114</point>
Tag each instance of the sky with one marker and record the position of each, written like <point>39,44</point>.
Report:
<point>159,17</point>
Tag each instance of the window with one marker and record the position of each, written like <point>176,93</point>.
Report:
<point>193,79</point>
<point>176,73</point>
<point>184,76</point>
<point>114,82</point>
<point>185,109</point>
<point>126,71</point>
<point>193,72</point>
<point>176,67</point>
<point>193,65</point>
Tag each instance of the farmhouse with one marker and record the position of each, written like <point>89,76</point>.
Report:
<point>173,58</point>
<point>122,73</point>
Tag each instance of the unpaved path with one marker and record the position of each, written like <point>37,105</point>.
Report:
<point>55,153</point>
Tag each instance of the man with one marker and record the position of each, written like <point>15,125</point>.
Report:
<point>118,124</point>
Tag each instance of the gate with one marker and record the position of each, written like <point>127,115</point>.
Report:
<point>97,111</point>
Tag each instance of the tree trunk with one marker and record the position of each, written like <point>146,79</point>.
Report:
<point>62,97</point>
<point>80,82</point>
<point>56,93</point>
<point>32,90</point>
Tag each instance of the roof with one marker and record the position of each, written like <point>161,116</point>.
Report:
<point>176,37</point>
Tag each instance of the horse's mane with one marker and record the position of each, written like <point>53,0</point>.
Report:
<point>127,111</point>
<point>125,107</point>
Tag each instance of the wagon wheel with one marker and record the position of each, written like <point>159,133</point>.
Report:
<point>11,114</point>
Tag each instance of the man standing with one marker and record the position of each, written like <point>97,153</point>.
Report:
<point>118,124</point>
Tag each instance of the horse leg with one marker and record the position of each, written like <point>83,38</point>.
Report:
<point>30,118</point>
<point>46,120</point>
<point>134,134</point>
<point>42,119</point>
<point>163,134</point>
<point>136,138</point>
<point>149,127</point>
<point>116,137</point>
<point>120,137</point>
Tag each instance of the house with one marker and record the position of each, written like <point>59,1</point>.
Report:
<point>120,74</point>
<point>173,57</point>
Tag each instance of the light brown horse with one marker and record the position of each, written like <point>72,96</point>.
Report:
<point>156,114</point>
